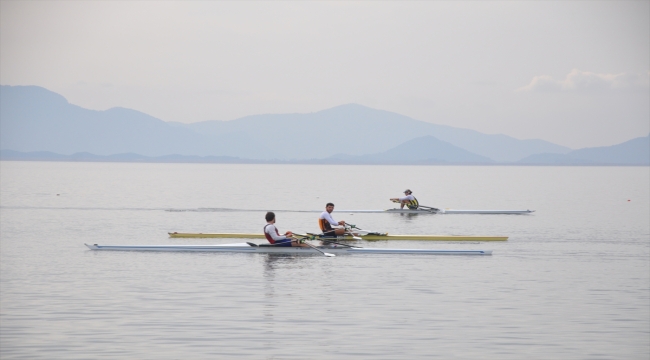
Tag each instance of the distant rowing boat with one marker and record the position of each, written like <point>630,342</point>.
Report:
<point>365,237</point>
<point>267,249</point>
<point>442,211</point>
<point>385,211</point>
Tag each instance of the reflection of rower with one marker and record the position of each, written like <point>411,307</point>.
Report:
<point>409,200</point>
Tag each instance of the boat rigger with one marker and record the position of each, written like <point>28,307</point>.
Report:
<point>348,237</point>
<point>269,249</point>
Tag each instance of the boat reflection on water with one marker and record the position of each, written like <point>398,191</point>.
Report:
<point>280,271</point>
<point>275,261</point>
<point>406,216</point>
<point>288,262</point>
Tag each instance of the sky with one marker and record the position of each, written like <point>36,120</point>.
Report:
<point>575,73</point>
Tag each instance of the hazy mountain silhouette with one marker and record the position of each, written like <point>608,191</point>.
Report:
<point>356,130</point>
<point>631,152</point>
<point>422,150</point>
<point>126,157</point>
<point>35,119</point>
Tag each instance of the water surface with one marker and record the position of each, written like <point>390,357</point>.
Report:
<point>572,282</point>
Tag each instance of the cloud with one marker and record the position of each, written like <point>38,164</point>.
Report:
<point>581,81</point>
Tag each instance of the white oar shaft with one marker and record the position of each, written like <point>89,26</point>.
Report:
<point>317,249</point>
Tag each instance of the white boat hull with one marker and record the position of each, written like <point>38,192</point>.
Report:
<point>245,248</point>
<point>406,211</point>
<point>441,211</point>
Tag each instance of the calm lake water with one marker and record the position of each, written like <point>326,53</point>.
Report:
<point>572,282</point>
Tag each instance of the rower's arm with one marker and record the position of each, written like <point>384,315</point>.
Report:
<point>271,231</point>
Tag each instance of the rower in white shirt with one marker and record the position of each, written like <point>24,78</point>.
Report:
<point>326,222</point>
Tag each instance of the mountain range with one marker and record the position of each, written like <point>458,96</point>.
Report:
<point>635,151</point>
<point>34,120</point>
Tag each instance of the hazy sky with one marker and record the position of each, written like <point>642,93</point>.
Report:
<point>574,73</point>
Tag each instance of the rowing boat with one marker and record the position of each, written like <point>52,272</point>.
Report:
<point>441,211</point>
<point>452,211</point>
<point>348,237</point>
<point>267,249</point>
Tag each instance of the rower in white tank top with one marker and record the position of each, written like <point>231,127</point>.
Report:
<point>273,235</point>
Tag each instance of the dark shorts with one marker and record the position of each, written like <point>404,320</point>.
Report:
<point>283,242</point>
<point>330,233</point>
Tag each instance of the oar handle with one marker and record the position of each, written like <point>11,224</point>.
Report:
<point>306,236</point>
<point>352,226</point>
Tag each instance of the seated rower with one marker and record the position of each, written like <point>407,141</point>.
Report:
<point>274,237</point>
<point>325,221</point>
<point>409,200</point>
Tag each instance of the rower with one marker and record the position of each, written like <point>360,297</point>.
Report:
<point>274,237</point>
<point>325,221</point>
<point>409,200</point>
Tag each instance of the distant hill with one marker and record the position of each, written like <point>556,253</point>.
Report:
<point>425,150</point>
<point>128,157</point>
<point>422,150</point>
<point>632,152</point>
<point>357,130</point>
<point>35,119</point>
